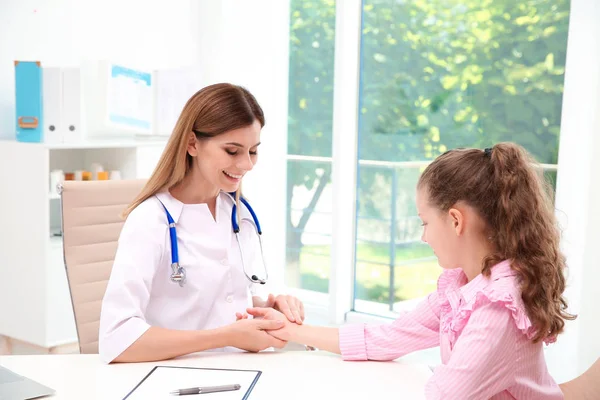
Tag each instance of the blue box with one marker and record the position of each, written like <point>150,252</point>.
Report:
<point>28,93</point>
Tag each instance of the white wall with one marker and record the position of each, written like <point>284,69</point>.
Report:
<point>578,192</point>
<point>243,42</point>
<point>154,34</point>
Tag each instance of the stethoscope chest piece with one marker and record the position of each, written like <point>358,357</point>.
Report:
<point>177,274</point>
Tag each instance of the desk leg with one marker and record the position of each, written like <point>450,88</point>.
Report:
<point>5,345</point>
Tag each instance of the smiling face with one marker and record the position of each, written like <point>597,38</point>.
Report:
<point>222,161</point>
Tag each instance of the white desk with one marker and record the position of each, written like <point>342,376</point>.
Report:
<point>286,375</point>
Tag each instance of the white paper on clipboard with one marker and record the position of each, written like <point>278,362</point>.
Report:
<point>162,380</point>
<point>130,99</point>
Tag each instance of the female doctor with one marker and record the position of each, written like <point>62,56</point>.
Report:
<point>155,309</point>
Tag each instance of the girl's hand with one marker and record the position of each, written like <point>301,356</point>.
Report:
<point>239,316</point>
<point>255,334</point>
<point>283,331</point>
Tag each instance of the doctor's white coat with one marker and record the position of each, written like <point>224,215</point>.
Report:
<point>140,293</point>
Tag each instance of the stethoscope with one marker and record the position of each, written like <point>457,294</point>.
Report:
<point>178,274</point>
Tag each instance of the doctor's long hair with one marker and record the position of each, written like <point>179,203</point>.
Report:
<point>213,110</point>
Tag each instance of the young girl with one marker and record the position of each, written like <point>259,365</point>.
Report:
<point>488,217</point>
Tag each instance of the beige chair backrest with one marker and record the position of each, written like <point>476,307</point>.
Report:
<point>91,223</point>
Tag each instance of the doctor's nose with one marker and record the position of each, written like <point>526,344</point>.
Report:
<point>245,163</point>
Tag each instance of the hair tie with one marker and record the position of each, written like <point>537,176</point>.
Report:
<point>487,152</point>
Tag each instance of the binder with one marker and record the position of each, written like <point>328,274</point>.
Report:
<point>52,105</point>
<point>71,105</point>
<point>61,100</point>
<point>161,380</point>
<point>28,97</point>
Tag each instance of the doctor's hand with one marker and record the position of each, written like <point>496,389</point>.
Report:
<point>284,332</point>
<point>251,334</point>
<point>289,306</point>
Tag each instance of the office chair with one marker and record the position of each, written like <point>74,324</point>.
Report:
<point>91,225</point>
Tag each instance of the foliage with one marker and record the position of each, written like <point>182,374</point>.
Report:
<point>435,75</point>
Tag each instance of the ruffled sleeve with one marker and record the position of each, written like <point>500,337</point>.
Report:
<point>508,294</point>
<point>456,309</point>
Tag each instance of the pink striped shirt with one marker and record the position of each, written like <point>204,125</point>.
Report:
<point>484,336</point>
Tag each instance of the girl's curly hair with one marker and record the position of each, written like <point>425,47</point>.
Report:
<point>509,191</point>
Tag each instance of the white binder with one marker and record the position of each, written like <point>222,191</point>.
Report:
<point>71,105</point>
<point>52,104</point>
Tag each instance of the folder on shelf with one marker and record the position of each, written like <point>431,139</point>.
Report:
<point>28,98</point>
<point>52,104</point>
<point>162,380</point>
<point>71,104</point>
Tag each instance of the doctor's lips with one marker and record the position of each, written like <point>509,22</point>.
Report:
<point>233,176</point>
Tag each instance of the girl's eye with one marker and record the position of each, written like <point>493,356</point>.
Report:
<point>253,153</point>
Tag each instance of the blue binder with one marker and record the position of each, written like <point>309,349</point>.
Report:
<point>28,93</point>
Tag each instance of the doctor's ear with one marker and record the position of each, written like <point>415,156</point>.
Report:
<point>192,147</point>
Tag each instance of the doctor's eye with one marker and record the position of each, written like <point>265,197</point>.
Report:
<point>236,152</point>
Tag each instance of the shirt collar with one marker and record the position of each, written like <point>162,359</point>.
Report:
<point>460,291</point>
<point>477,284</point>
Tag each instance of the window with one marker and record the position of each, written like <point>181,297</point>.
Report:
<point>437,75</point>
<point>308,234</point>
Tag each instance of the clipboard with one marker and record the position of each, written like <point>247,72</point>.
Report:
<point>161,380</point>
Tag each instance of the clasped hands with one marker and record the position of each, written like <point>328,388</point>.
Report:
<point>282,312</point>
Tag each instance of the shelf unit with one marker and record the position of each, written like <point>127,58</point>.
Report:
<point>35,303</point>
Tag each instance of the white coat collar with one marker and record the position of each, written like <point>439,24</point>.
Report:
<point>175,207</point>
<point>172,205</point>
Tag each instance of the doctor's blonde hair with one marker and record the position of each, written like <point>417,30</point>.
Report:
<point>213,110</point>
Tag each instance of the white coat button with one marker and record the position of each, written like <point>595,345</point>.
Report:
<point>224,261</point>
<point>229,299</point>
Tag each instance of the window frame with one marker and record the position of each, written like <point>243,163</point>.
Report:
<point>337,306</point>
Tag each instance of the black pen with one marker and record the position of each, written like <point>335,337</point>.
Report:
<point>205,389</point>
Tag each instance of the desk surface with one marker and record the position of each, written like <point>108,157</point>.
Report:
<point>286,375</point>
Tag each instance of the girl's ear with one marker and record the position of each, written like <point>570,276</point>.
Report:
<point>457,219</point>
